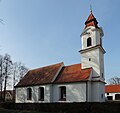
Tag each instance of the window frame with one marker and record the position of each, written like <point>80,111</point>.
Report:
<point>41,93</point>
<point>29,93</point>
<point>110,98</point>
<point>117,96</point>
<point>62,92</point>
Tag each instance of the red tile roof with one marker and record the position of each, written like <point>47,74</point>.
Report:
<point>73,73</point>
<point>112,88</point>
<point>46,75</point>
<point>39,76</point>
<point>91,21</point>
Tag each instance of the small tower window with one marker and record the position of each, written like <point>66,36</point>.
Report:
<point>89,59</point>
<point>89,42</point>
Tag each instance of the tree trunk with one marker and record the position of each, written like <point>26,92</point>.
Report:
<point>5,88</point>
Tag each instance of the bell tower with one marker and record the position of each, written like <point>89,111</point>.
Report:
<point>92,52</point>
<point>92,56</point>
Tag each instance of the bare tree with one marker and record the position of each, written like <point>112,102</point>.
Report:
<point>114,80</point>
<point>8,71</point>
<point>22,70</point>
<point>19,70</point>
<point>1,75</point>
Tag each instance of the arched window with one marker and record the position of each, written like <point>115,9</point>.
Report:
<point>41,93</point>
<point>62,93</point>
<point>89,42</point>
<point>29,94</point>
<point>117,96</point>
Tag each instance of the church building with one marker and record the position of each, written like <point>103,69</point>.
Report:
<point>82,82</point>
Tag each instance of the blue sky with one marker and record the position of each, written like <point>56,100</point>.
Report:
<point>43,32</point>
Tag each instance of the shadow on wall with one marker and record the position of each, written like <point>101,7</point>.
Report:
<point>77,93</point>
<point>20,95</point>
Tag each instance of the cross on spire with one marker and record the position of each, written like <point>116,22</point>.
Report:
<point>91,8</point>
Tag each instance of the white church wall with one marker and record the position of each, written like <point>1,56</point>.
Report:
<point>98,37</point>
<point>75,92</point>
<point>21,94</point>
<point>92,32</point>
<point>88,33</point>
<point>95,59</point>
<point>98,93</point>
<point>89,92</point>
<point>102,91</point>
<point>95,91</point>
<point>91,59</point>
<point>101,65</point>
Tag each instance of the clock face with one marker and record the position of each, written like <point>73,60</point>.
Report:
<point>86,32</point>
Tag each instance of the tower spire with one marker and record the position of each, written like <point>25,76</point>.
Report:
<point>91,20</point>
<point>90,8</point>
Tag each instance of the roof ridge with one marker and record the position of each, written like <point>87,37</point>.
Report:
<point>87,68</point>
<point>46,66</point>
<point>113,85</point>
<point>73,64</point>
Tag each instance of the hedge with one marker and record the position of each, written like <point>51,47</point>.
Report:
<point>83,107</point>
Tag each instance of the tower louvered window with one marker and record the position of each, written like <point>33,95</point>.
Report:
<point>89,42</point>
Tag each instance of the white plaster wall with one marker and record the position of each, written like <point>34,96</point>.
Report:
<point>94,63</point>
<point>89,33</point>
<point>21,94</point>
<point>111,94</point>
<point>92,32</point>
<point>89,99</point>
<point>101,61</point>
<point>98,89</point>
<point>75,92</point>
<point>96,55</point>
<point>98,37</point>
<point>102,91</point>
<point>97,62</point>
